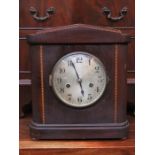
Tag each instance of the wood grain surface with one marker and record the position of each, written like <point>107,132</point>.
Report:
<point>79,147</point>
<point>73,11</point>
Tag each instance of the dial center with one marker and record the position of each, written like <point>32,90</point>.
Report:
<point>79,80</point>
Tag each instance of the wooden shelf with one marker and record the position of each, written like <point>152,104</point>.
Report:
<point>79,147</point>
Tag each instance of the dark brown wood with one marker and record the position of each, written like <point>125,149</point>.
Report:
<point>62,16</point>
<point>24,95</point>
<point>78,33</point>
<point>109,121</point>
<point>73,11</point>
<point>78,147</point>
<point>131,56</point>
<point>26,31</point>
<point>24,57</point>
<point>91,12</point>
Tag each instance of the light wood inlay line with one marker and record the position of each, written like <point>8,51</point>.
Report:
<point>116,84</point>
<point>42,86</point>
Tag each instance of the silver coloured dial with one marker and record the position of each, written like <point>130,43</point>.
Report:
<point>78,79</point>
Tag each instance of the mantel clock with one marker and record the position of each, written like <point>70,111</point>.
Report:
<point>78,83</point>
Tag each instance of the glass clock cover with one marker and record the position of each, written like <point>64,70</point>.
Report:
<point>78,79</point>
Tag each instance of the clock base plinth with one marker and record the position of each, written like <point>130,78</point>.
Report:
<point>79,131</point>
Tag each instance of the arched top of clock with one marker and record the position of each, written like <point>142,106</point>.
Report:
<point>78,34</point>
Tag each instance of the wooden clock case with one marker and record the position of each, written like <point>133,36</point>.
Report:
<point>107,117</point>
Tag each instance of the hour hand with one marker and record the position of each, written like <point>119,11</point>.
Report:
<point>82,92</point>
<point>80,83</point>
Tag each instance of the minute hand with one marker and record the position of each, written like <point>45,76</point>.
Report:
<point>79,79</point>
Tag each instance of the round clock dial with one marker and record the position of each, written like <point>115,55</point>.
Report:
<point>78,79</point>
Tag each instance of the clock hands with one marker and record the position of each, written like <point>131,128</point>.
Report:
<point>79,79</point>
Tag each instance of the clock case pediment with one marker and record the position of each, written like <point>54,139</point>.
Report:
<point>78,33</point>
<point>54,120</point>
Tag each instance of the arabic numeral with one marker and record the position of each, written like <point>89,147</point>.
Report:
<point>61,70</point>
<point>69,62</point>
<point>97,89</point>
<point>101,78</point>
<point>89,96</point>
<point>97,68</point>
<point>79,60</point>
<point>79,99</point>
<point>62,90</point>
<point>69,97</point>
<point>59,80</point>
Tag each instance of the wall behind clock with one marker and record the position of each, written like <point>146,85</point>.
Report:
<point>33,17</point>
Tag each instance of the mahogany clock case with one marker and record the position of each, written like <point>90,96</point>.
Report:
<point>107,117</point>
